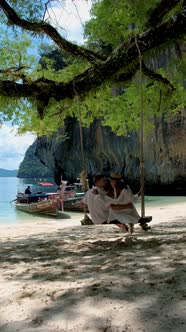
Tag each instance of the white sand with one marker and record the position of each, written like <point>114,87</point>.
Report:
<point>57,275</point>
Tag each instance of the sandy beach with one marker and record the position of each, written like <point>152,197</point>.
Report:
<point>57,275</point>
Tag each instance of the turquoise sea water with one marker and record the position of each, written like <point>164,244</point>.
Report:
<point>9,187</point>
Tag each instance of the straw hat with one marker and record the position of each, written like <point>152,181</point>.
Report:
<point>115,176</point>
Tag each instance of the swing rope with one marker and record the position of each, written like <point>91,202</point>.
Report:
<point>83,175</point>
<point>142,163</point>
<point>142,171</point>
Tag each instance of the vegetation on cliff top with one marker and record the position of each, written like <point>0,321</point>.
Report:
<point>31,167</point>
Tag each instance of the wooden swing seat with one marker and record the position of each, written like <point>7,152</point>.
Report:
<point>145,220</point>
<point>144,223</point>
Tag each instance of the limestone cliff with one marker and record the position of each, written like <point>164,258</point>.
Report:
<point>31,166</point>
<point>164,150</point>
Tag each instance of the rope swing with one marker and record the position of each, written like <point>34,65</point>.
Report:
<point>142,164</point>
<point>83,175</point>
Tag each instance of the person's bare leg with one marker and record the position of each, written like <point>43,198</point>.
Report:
<point>123,227</point>
<point>131,227</point>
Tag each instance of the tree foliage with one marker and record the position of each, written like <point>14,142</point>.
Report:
<point>39,96</point>
<point>127,18</point>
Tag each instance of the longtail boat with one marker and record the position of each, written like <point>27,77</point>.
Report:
<point>45,203</point>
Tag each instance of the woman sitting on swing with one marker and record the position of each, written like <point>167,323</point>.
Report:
<point>117,197</point>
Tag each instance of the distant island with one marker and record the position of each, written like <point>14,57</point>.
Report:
<point>8,172</point>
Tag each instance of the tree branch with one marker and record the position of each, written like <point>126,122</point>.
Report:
<point>126,76</point>
<point>160,11</point>
<point>42,27</point>
<point>157,77</point>
<point>12,70</point>
<point>122,58</point>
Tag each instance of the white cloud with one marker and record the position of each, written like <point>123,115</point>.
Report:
<point>71,18</point>
<point>13,146</point>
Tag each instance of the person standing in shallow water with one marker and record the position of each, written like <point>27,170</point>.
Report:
<point>28,191</point>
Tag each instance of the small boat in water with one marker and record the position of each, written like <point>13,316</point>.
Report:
<point>65,199</point>
<point>73,204</point>
<point>72,198</point>
<point>45,203</point>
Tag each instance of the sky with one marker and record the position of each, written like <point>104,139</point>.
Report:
<point>71,18</point>
<point>13,146</point>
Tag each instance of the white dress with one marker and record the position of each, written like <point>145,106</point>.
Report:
<point>99,212</point>
<point>129,216</point>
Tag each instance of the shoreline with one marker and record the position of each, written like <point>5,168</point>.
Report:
<point>10,215</point>
<point>59,276</point>
<point>67,217</point>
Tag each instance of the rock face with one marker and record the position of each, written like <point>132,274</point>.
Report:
<point>31,167</point>
<point>164,154</point>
